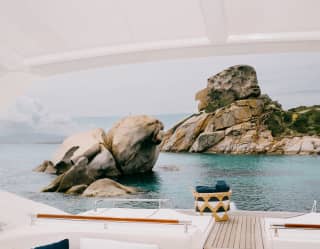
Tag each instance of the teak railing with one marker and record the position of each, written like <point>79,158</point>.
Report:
<point>105,218</point>
<point>186,224</point>
<point>292,225</point>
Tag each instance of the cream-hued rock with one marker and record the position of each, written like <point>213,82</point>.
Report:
<point>206,140</point>
<point>310,145</point>
<point>244,138</point>
<point>239,120</point>
<point>185,135</point>
<point>252,142</point>
<point>84,172</point>
<point>238,112</point>
<point>134,143</point>
<point>130,147</point>
<point>54,185</point>
<point>47,167</point>
<point>77,175</point>
<point>107,188</point>
<point>84,141</point>
<point>233,83</point>
<point>305,145</point>
<point>240,128</point>
<point>246,143</point>
<point>264,142</point>
<point>103,165</point>
<point>292,145</point>
<point>77,189</point>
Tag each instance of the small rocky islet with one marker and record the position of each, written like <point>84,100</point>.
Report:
<point>233,118</point>
<point>85,162</point>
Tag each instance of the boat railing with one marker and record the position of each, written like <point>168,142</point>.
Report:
<point>314,207</point>
<point>106,219</point>
<point>275,227</point>
<point>114,201</point>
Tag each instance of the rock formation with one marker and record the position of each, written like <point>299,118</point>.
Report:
<point>235,118</point>
<point>130,147</point>
<point>134,143</point>
<point>107,188</point>
<point>46,167</point>
<point>234,83</point>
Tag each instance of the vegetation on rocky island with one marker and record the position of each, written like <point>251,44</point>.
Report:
<point>234,117</point>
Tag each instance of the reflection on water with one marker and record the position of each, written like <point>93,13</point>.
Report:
<point>258,182</point>
<point>150,181</point>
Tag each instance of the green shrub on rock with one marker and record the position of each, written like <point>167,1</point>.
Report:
<point>274,122</point>
<point>287,117</point>
<point>307,120</point>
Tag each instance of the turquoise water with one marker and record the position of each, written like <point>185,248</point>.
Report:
<point>258,182</point>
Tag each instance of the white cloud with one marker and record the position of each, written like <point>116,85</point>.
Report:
<point>29,121</point>
<point>31,112</point>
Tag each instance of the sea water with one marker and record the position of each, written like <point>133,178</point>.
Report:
<point>258,182</point>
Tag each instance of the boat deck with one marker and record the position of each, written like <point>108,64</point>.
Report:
<point>244,230</point>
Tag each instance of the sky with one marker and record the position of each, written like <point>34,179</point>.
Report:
<point>170,86</point>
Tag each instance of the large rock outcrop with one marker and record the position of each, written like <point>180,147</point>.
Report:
<point>235,118</point>
<point>234,83</point>
<point>130,147</point>
<point>134,143</point>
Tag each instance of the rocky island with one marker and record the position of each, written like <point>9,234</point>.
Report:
<point>234,117</point>
<point>85,162</point>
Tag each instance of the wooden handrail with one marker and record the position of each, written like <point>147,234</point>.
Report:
<point>105,218</point>
<point>313,226</point>
<point>296,225</point>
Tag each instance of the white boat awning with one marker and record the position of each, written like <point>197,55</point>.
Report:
<point>40,38</point>
<point>48,37</point>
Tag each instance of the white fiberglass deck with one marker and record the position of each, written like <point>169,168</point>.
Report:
<point>245,229</point>
<point>164,235</point>
<point>294,238</point>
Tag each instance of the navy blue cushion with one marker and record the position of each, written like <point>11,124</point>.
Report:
<point>222,186</point>
<point>63,244</point>
<point>205,189</point>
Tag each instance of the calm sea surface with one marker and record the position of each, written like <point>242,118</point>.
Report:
<point>260,182</point>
